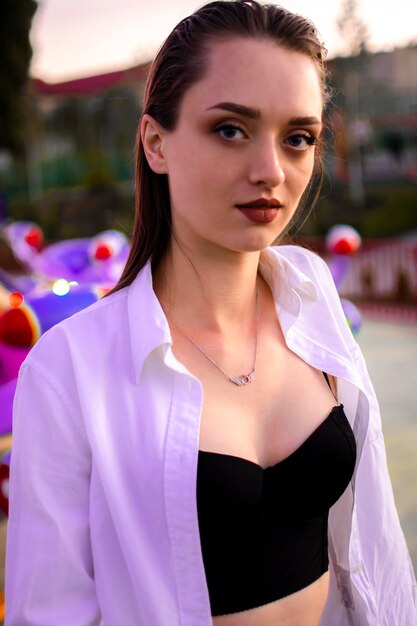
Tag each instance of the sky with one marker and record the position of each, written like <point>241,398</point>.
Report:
<point>76,38</point>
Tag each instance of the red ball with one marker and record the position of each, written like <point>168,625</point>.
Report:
<point>343,246</point>
<point>34,238</point>
<point>15,299</point>
<point>16,329</point>
<point>343,239</point>
<point>103,252</point>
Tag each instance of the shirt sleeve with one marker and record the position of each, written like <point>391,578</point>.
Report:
<point>49,565</point>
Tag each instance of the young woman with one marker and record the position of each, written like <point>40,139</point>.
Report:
<point>203,446</point>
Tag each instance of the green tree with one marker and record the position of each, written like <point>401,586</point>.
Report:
<point>15,54</point>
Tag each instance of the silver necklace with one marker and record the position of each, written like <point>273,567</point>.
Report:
<point>243,379</point>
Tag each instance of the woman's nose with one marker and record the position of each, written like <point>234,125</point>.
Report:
<point>267,166</point>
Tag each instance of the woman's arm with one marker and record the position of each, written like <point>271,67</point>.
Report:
<point>49,566</point>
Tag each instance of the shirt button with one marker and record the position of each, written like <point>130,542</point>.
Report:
<point>356,569</point>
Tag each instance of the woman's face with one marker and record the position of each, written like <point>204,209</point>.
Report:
<point>242,152</point>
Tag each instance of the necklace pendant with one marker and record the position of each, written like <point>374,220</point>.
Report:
<point>243,379</point>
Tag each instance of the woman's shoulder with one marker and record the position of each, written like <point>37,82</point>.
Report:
<point>312,276</point>
<point>86,334</point>
<point>308,262</point>
<point>302,257</point>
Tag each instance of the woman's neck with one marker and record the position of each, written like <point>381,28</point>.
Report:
<point>208,294</point>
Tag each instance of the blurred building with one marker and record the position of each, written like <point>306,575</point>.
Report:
<point>375,113</point>
<point>81,134</point>
<point>87,126</point>
<point>96,111</point>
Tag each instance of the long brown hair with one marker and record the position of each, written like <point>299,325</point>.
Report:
<point>181,62</point>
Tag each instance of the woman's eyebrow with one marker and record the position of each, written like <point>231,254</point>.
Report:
<point>304,121</point>
<point>240,109</point>
<point>255,114</point>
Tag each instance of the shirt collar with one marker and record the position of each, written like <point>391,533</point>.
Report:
<point>148,325</point>
<point>284,277</point>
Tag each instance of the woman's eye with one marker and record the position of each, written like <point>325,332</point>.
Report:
<point>230,132</point>
<point>301,141</point>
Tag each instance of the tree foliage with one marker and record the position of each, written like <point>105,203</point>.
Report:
<point>15,53</point>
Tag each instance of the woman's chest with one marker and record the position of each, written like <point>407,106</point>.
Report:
<point>266,420</point>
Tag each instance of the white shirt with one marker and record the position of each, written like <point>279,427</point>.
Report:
<point>103,526</point>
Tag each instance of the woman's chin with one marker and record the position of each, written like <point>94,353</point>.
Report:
<point>256,244</point>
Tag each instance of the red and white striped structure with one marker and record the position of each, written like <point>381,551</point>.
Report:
<point>377,270</point>
<point>383,276</point>
<point>394,313</point>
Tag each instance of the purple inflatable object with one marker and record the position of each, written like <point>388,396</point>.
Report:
<point>6,406</point>
<point>74,259</point>
<point>11,358</point>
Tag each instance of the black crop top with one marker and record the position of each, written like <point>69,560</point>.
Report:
<point>263,532</point>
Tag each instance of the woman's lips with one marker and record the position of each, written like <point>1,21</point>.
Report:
<point>259,215</point>
<point>261,211</point>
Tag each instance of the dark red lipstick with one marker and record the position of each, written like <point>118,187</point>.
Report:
<point>261,210</point>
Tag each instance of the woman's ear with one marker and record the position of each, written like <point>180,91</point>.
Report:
<point>152,135</point>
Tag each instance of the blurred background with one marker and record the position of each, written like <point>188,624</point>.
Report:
<point>71,87</point>
<point>72,82</point>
